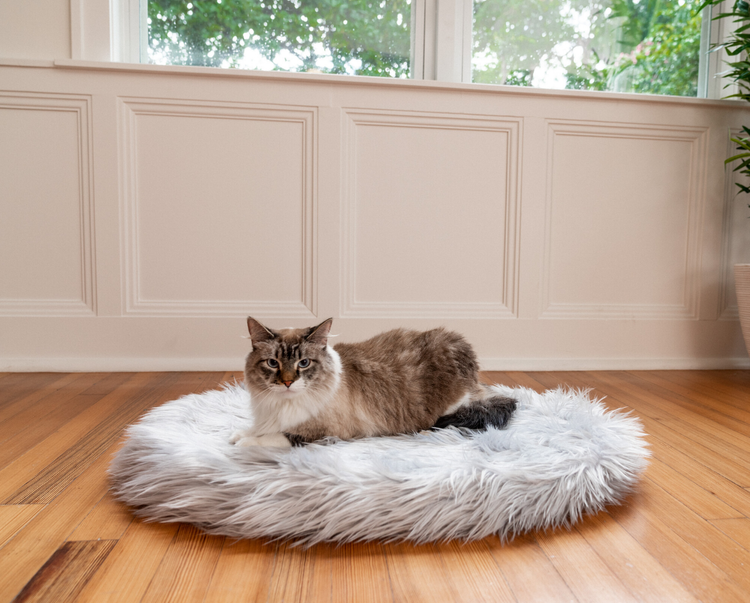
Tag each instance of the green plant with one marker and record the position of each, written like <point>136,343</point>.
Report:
<point>738,45</point>
<point>362,37</point>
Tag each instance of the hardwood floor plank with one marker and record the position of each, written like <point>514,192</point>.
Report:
<point>128,570</point>
<point>243,572</point>
<point>696,407</point>
<point>359,573</point>
<point>497,378</point>
<point>104,426</point>
<point>713,544</point>
<point>737,529</point>
<point>525,380</point>
<point>704,503</point>
<point>699,397</point>
<point>474,574</point>
<point>65,574</point>
<point>27,468</point>
<point>185,571</point>
<point>731,470</point>
<point>23,555</point>
<point>108,520</point>
<point>317,579</point>
<point>13,518</point>
<point>286,578</point>
<point>690,567</point>
<point>300,574</point>
<point>698,427</point>
<point>417,574</point>
<point>641,573</point>
<point>583,570</point>
<point>578,380</point>
<point>684,535</point>
<point>34,407</point>
<point>26,429</point>
<point>704,450</point>
<point>60,385</point>
<point>20,385</point>
<point>528,571</point>
<point>726,490</point>
<point>714,383</point>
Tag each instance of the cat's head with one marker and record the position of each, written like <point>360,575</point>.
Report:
<point>289,362</point>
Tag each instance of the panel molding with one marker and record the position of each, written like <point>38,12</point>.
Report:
<point>133,303</point>
<point>80,106</point>
<point>697,137</point>
<point>727,310</point>
<point>208,363</point>
<point>507,306</point>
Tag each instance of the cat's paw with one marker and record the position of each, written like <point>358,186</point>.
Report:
<point>239,435</point>
<point>271,440</point>
<point>248,441</point>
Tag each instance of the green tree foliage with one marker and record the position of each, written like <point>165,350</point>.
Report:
<point>514,36</point>
<point>624,45</point>
<point>638,17</point>
<point>362,37</point>
<point>738,47</point>
<point>666,60</point>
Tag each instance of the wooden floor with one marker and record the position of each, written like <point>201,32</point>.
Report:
<point>684,536</point>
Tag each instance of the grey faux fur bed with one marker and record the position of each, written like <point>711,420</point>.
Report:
<point>562,455</point>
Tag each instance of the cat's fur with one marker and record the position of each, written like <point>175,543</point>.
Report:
<point>397,382</point>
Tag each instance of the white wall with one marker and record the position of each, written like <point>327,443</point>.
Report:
<point>35,29</point>
<point>146,211</point>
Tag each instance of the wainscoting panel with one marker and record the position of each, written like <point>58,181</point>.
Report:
<point>46,212</point>
<point>430,216</point>
<point>624,207</point>
<point>227,191</point>
<point>555,230</point>
<point>736,235</point>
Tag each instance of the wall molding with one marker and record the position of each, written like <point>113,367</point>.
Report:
<point>728,311</point>
<point>507,306</point>
<point>80,106</point>
<point>131,364</point>
<point>697,137</point>
<point>133,302</point>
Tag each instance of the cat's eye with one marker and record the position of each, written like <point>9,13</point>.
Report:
<point>273,363</point>
<point>304,363</point>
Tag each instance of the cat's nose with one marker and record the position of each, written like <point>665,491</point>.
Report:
<point>288,383</point>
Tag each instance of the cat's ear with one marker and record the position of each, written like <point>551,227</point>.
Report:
<point>258,332</point>
<point>319,334</point>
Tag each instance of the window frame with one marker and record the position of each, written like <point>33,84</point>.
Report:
<point>441,39</point>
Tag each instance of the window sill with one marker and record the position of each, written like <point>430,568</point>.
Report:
<point>349,80</point>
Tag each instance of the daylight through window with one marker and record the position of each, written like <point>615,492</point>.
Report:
<point>355,37</point>
<point>650,46</point>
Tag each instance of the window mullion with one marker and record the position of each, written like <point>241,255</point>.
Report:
<point>715,62</point>
<point>453,41</point>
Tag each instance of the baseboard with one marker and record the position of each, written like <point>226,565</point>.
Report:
<point>613,364</point>
<point>121,365</point>
<point>103,364</point>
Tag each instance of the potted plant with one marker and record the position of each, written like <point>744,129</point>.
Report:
<point>738,46</point>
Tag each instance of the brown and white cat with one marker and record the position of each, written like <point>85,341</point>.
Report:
<point>398,382</point>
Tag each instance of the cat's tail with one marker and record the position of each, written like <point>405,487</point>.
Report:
<point>486,409</point>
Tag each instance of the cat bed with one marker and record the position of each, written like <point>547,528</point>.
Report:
<point>561,456</point>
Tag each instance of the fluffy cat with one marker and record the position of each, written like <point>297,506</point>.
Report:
<point>400,381</point>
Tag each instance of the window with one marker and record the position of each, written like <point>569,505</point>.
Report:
<point>355,37</point>
<point>651,46</point>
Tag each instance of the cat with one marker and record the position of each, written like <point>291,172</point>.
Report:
<point>398,382</point>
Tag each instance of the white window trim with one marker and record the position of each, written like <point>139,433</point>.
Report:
<point>108,30</point>
<point>441,39</point>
